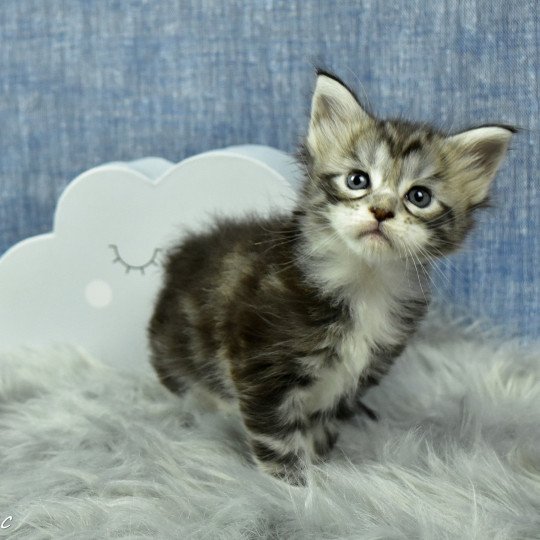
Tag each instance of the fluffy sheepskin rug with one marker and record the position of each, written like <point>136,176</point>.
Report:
<point>88,452</point>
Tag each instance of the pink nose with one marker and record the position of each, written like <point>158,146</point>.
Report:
<point>381,213</point>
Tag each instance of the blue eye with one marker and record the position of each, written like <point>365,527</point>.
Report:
<point>419,196</point>
<point>358,180</point>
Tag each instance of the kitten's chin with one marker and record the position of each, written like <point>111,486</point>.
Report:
<point>374,246</point>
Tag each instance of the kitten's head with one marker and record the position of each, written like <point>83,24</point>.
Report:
<point>388,188</point>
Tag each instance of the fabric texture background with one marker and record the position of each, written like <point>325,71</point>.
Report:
<point>85,82</point>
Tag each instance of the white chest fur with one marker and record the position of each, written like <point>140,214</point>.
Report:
<point>371,325</point>
<point>375,297</point>
<point>340,378</point>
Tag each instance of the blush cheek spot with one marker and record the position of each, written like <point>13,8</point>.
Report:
<point>98,293</point>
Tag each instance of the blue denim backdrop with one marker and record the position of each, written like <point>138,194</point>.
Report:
<point>85,82</point>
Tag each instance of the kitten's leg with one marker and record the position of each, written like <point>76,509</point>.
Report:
<point>169,374</point>
<point>324,434</point>
<point>283,461</point>
<point>277,436</point>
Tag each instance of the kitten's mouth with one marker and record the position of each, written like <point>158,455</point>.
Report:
<point>374,234</point>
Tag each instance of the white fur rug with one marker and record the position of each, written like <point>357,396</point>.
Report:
<point>87,452</point>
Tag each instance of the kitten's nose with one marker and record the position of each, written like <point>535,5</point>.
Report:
<point>381,213</point>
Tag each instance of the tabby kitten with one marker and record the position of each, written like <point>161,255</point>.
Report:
<point>292,319</point>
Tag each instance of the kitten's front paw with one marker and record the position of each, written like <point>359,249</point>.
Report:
<point>296,478</point>
<point>289,466</point>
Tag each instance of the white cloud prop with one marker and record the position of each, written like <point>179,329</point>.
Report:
<point>93,280</point>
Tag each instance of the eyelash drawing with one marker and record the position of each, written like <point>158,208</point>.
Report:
<point>118,259</point>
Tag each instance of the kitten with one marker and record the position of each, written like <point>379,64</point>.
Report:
<point>292,319</point>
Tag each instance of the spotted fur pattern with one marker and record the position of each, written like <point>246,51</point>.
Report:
<point>291,319</point>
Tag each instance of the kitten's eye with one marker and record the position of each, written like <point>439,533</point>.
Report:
<point>358,180</point>
<point>419,196</point>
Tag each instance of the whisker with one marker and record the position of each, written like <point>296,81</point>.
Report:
<point>417,274</point>
<point>433,263</point>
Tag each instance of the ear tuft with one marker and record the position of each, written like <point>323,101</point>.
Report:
<point>333,99</point>
<point>334,107</point>
<point>480,152</point>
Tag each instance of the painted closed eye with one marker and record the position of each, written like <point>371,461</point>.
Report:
<point>419,196</point>
<point>358,180</point>
<point>140,267</point>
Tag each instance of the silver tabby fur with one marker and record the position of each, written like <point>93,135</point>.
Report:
<point>290,320</point>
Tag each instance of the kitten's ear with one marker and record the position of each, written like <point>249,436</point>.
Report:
<point>333,108</point>
<point>478,153</point>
